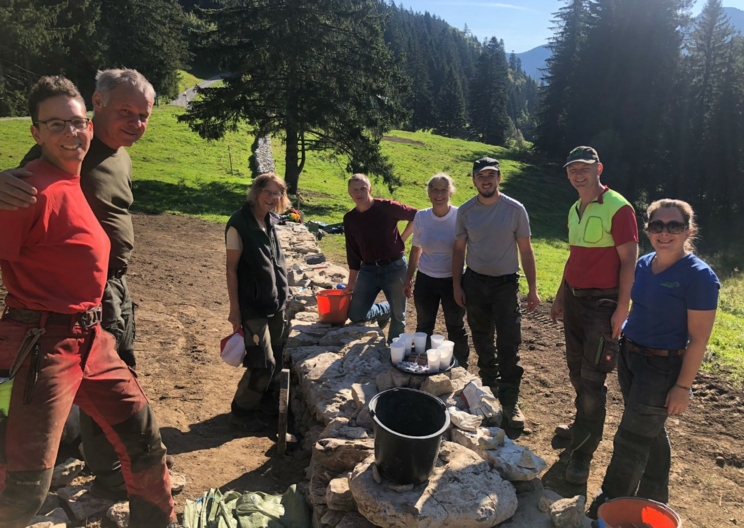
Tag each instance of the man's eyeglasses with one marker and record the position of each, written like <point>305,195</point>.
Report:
<point>58,125</point>
<point>673,228</point>
<point>276,195</point>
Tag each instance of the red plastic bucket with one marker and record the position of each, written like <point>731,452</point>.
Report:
<point>333,306</point>
<point>624,511</point>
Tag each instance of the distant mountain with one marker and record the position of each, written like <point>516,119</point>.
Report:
<point>533,60</point>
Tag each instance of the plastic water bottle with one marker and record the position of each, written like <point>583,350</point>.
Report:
<point>340,286</point>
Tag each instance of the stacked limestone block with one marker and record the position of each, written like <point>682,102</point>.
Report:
<point>336,371</point>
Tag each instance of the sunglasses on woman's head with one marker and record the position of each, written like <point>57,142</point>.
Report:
<point>673,228</point>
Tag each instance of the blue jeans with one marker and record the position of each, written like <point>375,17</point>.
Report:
<point>642,456</point>
<point>492,304</point>
<point>427,295</point>
<point>372,280</point>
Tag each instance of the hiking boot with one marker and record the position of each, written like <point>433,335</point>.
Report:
<point>514,416</point>
<point>100,491</point>
<point>249,422</point>
<point>564,431</point>
<point>384,322</point>
<point>169,461</point>
<point>577,471</point>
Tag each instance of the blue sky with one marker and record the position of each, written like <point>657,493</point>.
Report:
<point>523,24</point>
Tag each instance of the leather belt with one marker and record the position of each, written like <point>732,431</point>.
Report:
<point>83,319</point>
<point>593,292</point>
<point>499,278</point>
<point>383,262</point>
<point>117,273</point>
<point>647,351</point>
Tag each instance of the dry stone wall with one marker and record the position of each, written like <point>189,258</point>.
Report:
<point>336,370</point>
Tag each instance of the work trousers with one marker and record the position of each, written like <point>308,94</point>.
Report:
<point>642,455</point>
<point>70,364</point>
<point>588,330</point>
<point>373,279</point>
<point>117,319</point>
<point>428,294</point>
<point>492,304</point>
<point>264,345</point>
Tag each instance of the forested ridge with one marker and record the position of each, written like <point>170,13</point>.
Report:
<point>660,95</point>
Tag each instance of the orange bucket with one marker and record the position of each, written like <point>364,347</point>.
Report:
<point>624,511</point>
<point>333,306</point>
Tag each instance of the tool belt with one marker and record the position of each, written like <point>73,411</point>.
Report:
<point>117,273</point>
<point>83,319</point>
<point>647,351</point>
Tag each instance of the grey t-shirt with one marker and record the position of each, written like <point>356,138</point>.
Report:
<point>492,232</point>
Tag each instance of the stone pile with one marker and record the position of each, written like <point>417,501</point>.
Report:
<point>481,478</point>
<point>262,159</point>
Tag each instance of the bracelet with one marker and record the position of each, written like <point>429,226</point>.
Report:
<point>683,387</point>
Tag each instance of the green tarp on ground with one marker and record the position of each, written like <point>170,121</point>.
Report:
<point>253,509</point>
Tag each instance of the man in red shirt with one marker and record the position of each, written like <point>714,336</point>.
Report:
<point>374,252</point>
<point>593,300</point>
<point>54,261</point>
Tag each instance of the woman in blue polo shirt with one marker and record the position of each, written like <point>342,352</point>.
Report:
<point>675,296</point>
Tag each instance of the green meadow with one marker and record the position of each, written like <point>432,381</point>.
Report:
<point>175,171</point>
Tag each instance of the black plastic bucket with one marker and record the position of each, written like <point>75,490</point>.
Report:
<point>408,427</point>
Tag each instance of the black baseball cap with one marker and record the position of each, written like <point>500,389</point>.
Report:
<point>485,164</point>
<point>582,154</point>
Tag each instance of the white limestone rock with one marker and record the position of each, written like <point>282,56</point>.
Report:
<point>178,482</point>
<point>437,385</point>
<point>362,393</point>
<point>338,454</point>
<point>569,513</point>
<point>483,438</point>
<point>338,495</point>
<point>515,462</point>
<point>462,491</point>
<point>529,514</point>
<point>119,514</point>
<point>354,520</point>
<point>547,499</point>
<point>66,472</point>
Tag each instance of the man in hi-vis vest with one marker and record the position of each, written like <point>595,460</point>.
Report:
<point>593,300</point>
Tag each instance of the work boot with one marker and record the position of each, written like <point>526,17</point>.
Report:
<point>564,431</point>
<point>513,415</point>
<point>102,492</point>
<point>577,471</point>
<point>384,322</point>
<point>169,461</point>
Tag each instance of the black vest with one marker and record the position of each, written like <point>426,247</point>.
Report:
<point>262,273</point>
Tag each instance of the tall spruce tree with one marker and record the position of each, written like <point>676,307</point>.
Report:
<point>567,46</point>
<point>451,119</point>
<point>316,71</point>
<point>489,121</point>
<point>146,35</point>
<point>627,73</point>
<point>708,71</point>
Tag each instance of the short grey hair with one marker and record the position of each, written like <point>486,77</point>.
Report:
<point>108,80</point>
<point>440,177</point>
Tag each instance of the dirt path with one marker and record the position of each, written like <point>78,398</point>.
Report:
<point>177,278</point>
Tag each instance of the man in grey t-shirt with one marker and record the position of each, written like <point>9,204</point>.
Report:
<point>495,230</point>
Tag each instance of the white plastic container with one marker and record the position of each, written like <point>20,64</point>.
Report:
<point>419,340</point>
<point>397,352</point>
<point>437,340</point>
<point>408,341</point>
<point>433,356</point>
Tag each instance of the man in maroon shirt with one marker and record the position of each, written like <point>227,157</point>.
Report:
<point>374,252</point>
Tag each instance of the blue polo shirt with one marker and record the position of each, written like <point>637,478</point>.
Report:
<point>660,302</point>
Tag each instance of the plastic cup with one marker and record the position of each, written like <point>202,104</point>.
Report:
<point>447,344</point>
<point>397,352</point>
<point>408,341</point>
<point>445,357</point>
<point>432,356</point>
<point>419,340</point>
<point>437,340</point>
<point>395,339</point>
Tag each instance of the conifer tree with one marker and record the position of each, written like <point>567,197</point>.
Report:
<point>451,119</point>
<point>489,121</point>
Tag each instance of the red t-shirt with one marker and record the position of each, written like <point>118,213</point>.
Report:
<point>53,254</point>
<point>373,234</point>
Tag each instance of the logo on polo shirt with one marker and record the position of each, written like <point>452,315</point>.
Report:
<point>670,284</point>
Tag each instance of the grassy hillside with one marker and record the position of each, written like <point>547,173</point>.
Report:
<point>177,172</point>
